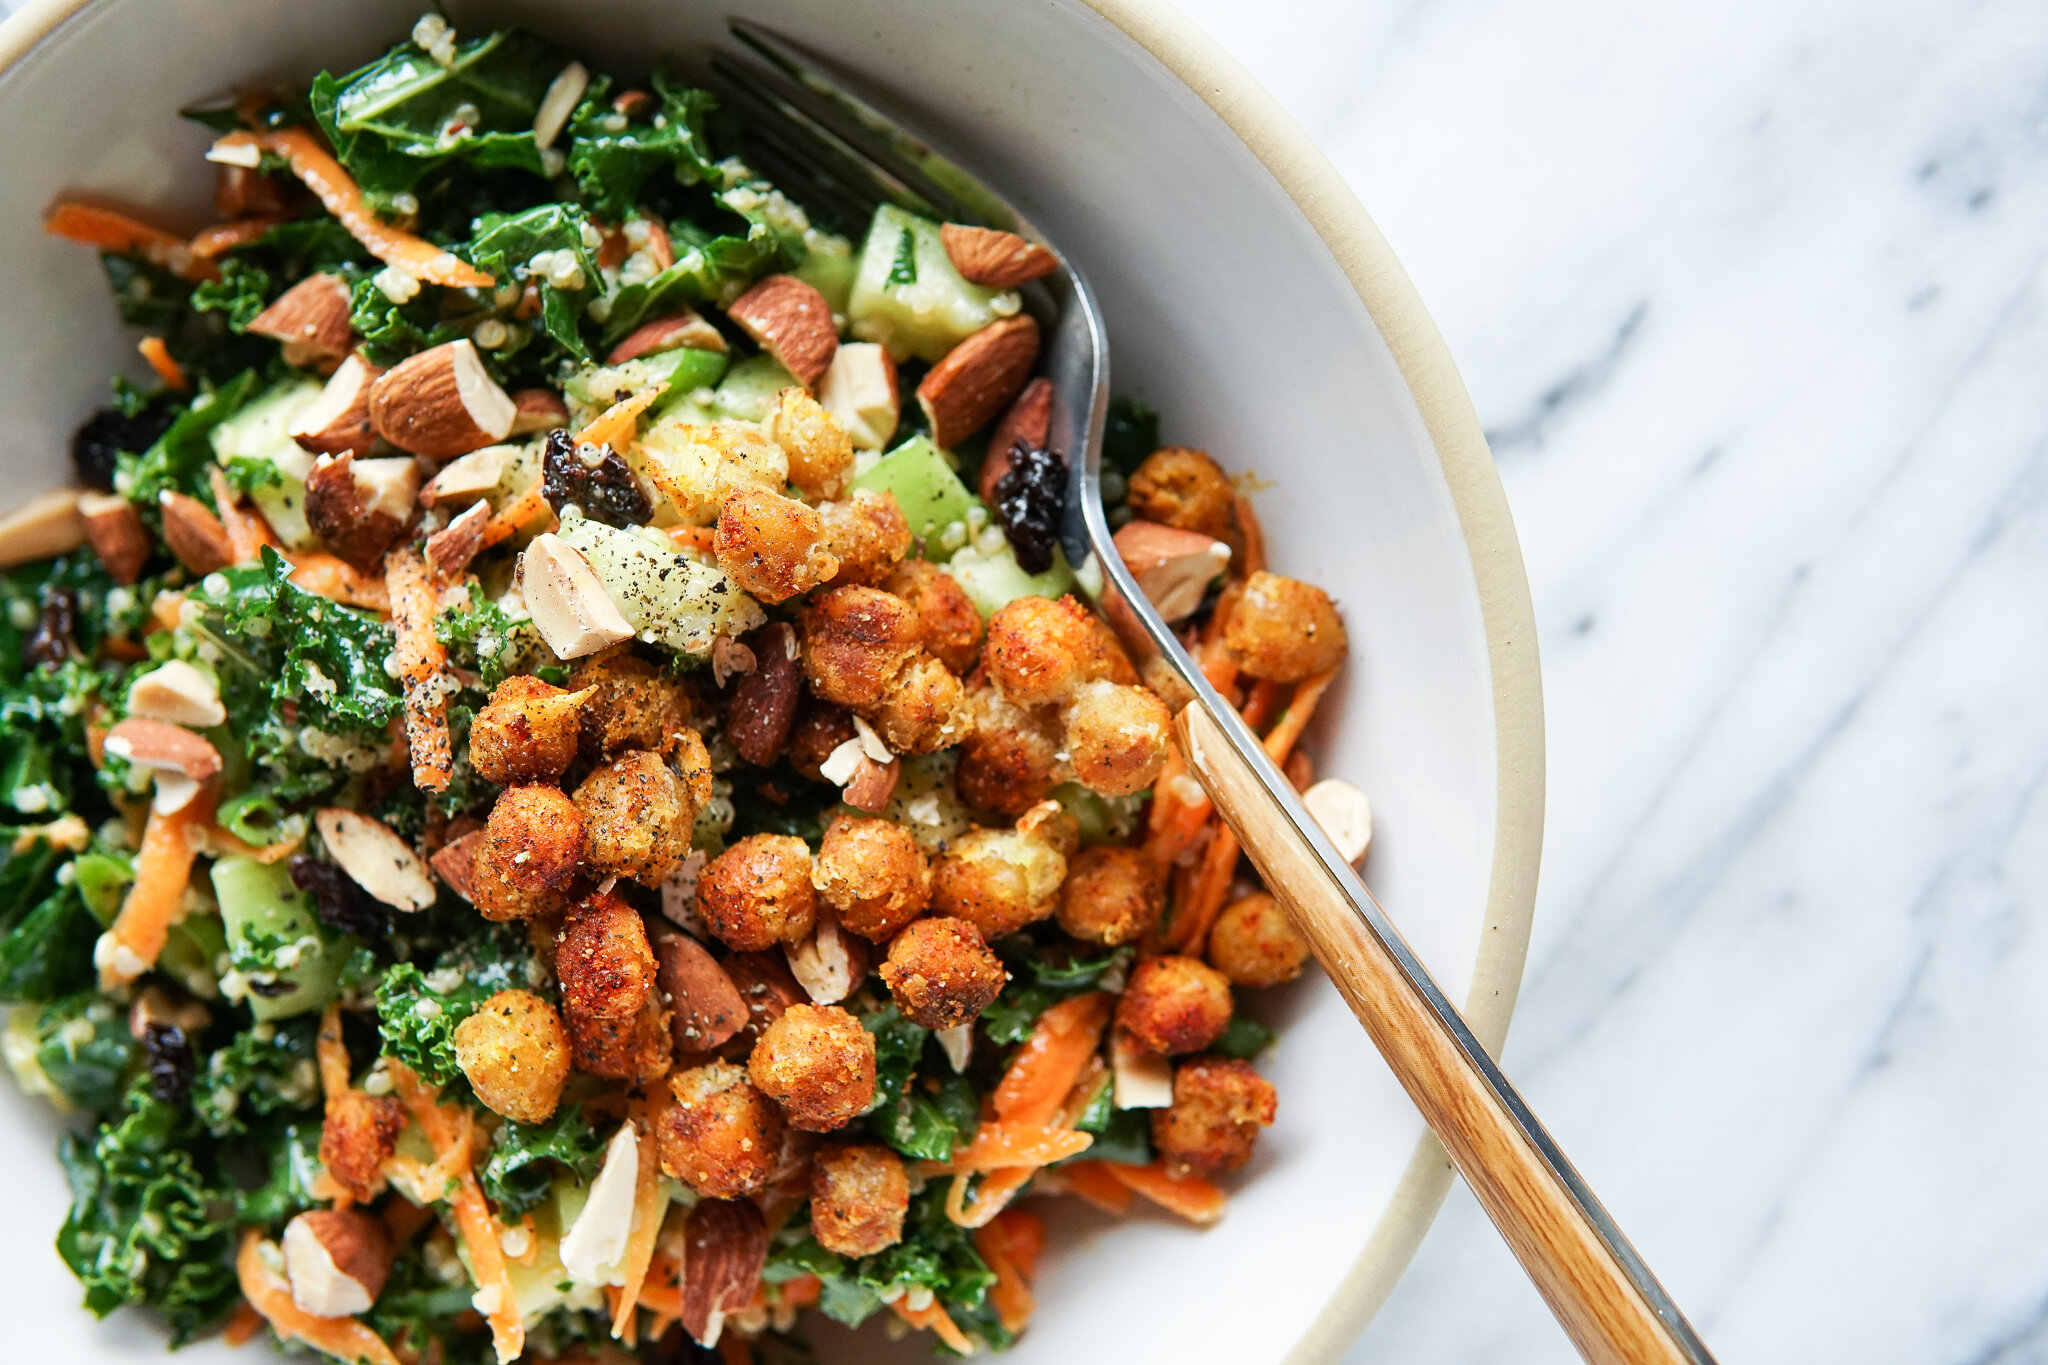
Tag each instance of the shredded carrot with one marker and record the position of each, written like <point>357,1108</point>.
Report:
<point>615,426</point>
<point>525,510</point>
<point>117,232</point>
<point>210,242</point>
<point>247,531</point>
<point>325,575</point>
<point>1010,1245</point>
<point>1190,1196</point>
<point>473,1219</point>
<point>1000,1144</point>
<point>163,869</point>
<point>153,349</point>
<point>337,189</point>
<point>1254,535</point>
<point>692,537</point>
<point>1262,703</point>
<point>1091,1181</point>
<point>1286,731</point>
<point>1052,1058</point>
<point>1207,890</point>
<point>242,1325</point>
<point>332,1052</point>
<point>649,1203</point>
<point>270,1294</point>
<point>933,1318</point>
<point>802,1292</point>
<point>422,667</point>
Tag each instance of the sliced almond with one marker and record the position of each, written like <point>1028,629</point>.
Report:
<point>1344,814</point>
<point>469,477</point>
<point>707,1006</point>
<point>565,92</point>
<point>338,421</point>
<point>725,1246</point>
<point>872,785</point>
<point>687,328</point>
<point>455,864</point>
<point>177,694</point>
<point>165,747</point>
<point>1027,422</point>
<point>828,963</point>
<point>978,378</point>
<point>47,524</point>
<point>312,320</point>
<point>792,322</point>
<point>1141,1079</point>
<point>995,260</point>
<point>375,858</point>
<point>195,534</point>
<point>450,549</point>
<point>115,531</point>
<point>859,388</point>
<point>957,1043</point>
<point>1172,566</point>
<point>597,1240</point>
<point>568,604</point>
<point>538,410</point>
<point>441,402</point>
<point>337,1261</point>
<point>359,506</point>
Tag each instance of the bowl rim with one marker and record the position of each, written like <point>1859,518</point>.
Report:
<point>1332,209</point>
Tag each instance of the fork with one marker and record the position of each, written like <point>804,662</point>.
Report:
<point>835,150</point>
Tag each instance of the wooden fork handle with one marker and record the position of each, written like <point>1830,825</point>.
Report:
<point>1603,1295</point>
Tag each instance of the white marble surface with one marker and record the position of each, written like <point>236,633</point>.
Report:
<point>1749,296</point>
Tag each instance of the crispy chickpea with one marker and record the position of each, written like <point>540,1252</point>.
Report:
<point>873,875</point>
<point>941,972</point>
<point>358,1135</point>
<point>633,706</point>
<point>1175,1005</point>
<point>859,1195</point>
<point>529,851</point>
<point>952,626</point>
<point>820,727</point>
<point>722,1136</point>
<point>924,708</point>
<point>1038,650</point>
<point>636,818</point>
<point>690,761</point>
<point>770,545</point>
<point>819,450</point>
<point>528,733</point>
<point>1113,896</point>
<point>867,534</point>
<point>1284,630</point>
<point>1254,943</point>
<point>855,641</point>
<point>818,1063</point>
<point>1184,488</point>
<point>516,1055</point>
<point>1010,760</point>
<point>617,1024</point>
<point>1219,1106</point>
<point>998,880</point>
<point>758,893</point>
<point>1117,738</point>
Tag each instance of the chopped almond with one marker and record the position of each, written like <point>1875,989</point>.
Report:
<point>1028,422</point>
<point>687,328</point>
<point>47,524</point>
<point>195,534</point>
<point>1173,567</point>
<point>995,260</point>
<point>965,391</point>
<point>859,388</point>
<point>338,421</point>
<point>311,319</point>
<point>115,531</point>
<point>792,322</point>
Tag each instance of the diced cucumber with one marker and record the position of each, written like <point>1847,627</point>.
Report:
<point>751,387</point>
<point>192,952</point>
<point>1103,819</point>
<point>668,598</point>
<point>261,431</point>
<point>102,881</point>
<point>993,581</point>
<point>275,938</point>
<point>829,266</point>
<point>926,488</point>
<point>684,369</point>
<point>914,302</point>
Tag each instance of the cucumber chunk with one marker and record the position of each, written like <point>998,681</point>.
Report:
<point>910,298</point>
<point>751,387</point>
<point>670,599</point>
<point>684,369</point>
<point>275,939</point>
<point>992,581</point>
<point>829,267</point>
<point>261,431</point>
<point>929,492</point>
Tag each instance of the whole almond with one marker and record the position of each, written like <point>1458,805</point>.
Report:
<point>339,508</point>
<point>195,534</point>
<point>450,549</point>
<point>1029,421</point>
<point>725,1246</point>
<point>965,391</point>
<point>337,1261</point>
<point>338,421</point>
<point>441,403</point>
<point>115,531</point>
<point>995,260</point>
<point>707,1006</point>
<point>1172,566</point>
<point>686,328</point>
<point>158,744</point>
<point>792,322</point>
<point>763,705</point>
<point>312,320</point>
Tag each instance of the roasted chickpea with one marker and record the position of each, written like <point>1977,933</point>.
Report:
<point>633,705</point>
<point>924,708</point>
<point>855,641</point>
<point>1219,1106</point>
<point>819,728</point>
<point>819,1064</point>
<point>636,818</point>
<point>1284,630</point>
<point>770,545</point>
<point>867,534</point>
<point>1038,650</point>
<point>1010,760</point>
<point>758,893</point>
<point>941,972</point>
<point>358,1136</point>
<point>998,880</point>
<point>1185,488</point>
<point>859,1195</point>
<point>516,1055</point>
<point>528,733</point>
<point>1112,896</point>
<point>952,626</point>
<point>722,1136</point>
<point>1254,943</point>
<point>1117,738</point>
<point>873,875</point>
<point>617,1024</point>
<point>528,853</point>
<point>819,450</point>
<point>1175,1005</point>
<point>691,763</point>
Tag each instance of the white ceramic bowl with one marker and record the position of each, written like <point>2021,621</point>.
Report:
<point>1249,299</point>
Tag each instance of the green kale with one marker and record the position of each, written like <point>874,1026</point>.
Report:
<point>929,1118</point>
<point>935,1254</point>
<point>526,1157</point>
<point>898,1046</point>
<point>269,1069</point>
<point>421,1309</point>
<point>392,331</point>
<point>614,157</point>
<point>712,265</point>
<point>1121,1135</point>
<point>1043,972</point>
<point>146,1226</point>
<point>43,770</point>
<point>83,1047</point>
<point>417,1012</point>
<point>287,1158</point>
<point>48,953</point>
<point>178,461</point>
<point>1131,434</point>
<point>506,242</point>
<point>481,637</point>
<point>254,274</point>
<point>1243,1038</point>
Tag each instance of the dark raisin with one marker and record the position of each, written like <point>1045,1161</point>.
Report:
<point>606,490</point>
<point>106,434</point>
<point>54,638</point>
<point>1031,497</point>
<point>340,903</point>
<point>170,1062</point>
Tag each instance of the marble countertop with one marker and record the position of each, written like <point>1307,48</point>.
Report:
<point>1749,297</point>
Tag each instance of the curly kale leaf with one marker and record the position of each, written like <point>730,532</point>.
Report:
<point>1042,973</point>
<point>287,1158</point>
<point>83,1048</point>
<point>268,1069</point>
<point>417,1012</point>
<point>505,242</point>
<point>526,1157</point>
<point>146,1226</point>
<point>47,954</point>
<point>479,635</point>
<point>254,274</point>
<point>614,157</point>
<point>178,461</point>
<point>1131,434</point>
<point>935,1254</point>
<point>392,331</point>
<point>753,235</point>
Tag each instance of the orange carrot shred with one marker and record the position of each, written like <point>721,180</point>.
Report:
<point>163,868</point>
<point>210,242</point>
<point>615,426</point>
<point>528,509</point>
<point>166,366</point>
<point>1006,1245</point>
<point>1091,1180</point>
<point>337,189</point>
<point>270,1294</point>
<point>117,232</point>
<point>332,1053</point>
<point>247,531</point>
<point>1046,1067</point>
<point>242,1325</point>
<point>1190,1196</point>
<point>325,575</point>
<point>933,1318</point>
<point>1001,1144</point>
<point>1254,535</point>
